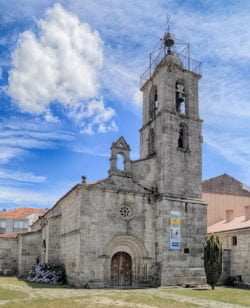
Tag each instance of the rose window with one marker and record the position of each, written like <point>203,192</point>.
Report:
<point>126,211</point>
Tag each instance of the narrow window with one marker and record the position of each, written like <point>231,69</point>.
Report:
<point>25,224</point>
<point>153,102</point>
<point>2,224</point>
<point>183,137</point>
<point>44,244</point>
<point>186,207</point>
<point>186,250</point>
<point>234,240</point>
<point>180,98</point>
<point>16,224</point>
<point>151,142</point>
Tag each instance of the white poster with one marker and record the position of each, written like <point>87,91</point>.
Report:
<point>175,233</point>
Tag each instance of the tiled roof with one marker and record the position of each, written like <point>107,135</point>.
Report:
<point>236,223</point>
<point>21,213</point>
<point>8,235</point>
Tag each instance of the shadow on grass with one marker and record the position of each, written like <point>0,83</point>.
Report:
<point>202,289</point>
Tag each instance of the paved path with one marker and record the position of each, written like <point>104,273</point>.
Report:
<point>53,293</point>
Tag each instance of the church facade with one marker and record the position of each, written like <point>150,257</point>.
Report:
<point>141,226</point>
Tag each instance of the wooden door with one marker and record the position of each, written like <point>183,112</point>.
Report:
<point>121,269</point>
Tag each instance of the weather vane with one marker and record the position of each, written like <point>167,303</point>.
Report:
<point>168,40</point>
<point>168,22</point>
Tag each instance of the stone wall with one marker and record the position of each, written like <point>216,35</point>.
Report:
<point>145,172</point>
<point>68,230</point>
<point>239,254</point>
<point>54,229</point>
<point>8,256</point>
<point>104,232</point>
<point>184,266</point>
<point>29,252</point>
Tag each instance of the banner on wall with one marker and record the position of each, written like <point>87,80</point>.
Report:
<point>175,233</point>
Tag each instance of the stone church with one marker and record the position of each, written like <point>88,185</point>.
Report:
<point>144,225</point>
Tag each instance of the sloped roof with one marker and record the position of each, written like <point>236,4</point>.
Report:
<point>121,143</point>
<point>21,213</point>
<point>119,183</point>
<point>237,223</point>
<point>8,235</point>
<point>225,184</point>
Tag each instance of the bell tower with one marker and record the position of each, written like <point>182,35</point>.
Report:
<point>170,147</point>
<point>171,130</point>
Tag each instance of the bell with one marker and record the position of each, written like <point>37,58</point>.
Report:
<point>180,100</point>
<point>168,40</point>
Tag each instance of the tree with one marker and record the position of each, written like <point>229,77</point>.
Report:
<point>213,259</point>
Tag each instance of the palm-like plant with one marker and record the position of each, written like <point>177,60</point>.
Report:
<point>213,259</point>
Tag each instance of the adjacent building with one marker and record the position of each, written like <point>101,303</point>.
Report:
<point>223,193</point>
<point>18,220</point>
<point>234,232</point>
<point>229,217</point>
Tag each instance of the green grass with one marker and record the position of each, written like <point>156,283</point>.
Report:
<point>33,295</point>
<point>19,282</point>
<point>109,301</point>
<point>221,294</point>
<point>6,294</point>
<point>12,281</point>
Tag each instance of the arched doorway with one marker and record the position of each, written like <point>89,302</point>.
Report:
<point>121,269</point>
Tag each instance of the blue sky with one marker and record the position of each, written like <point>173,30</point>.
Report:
<point>69,79</point>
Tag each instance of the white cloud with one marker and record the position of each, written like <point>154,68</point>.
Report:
<point>90,151</point>
<point>8,153</point>
<point>18,137</point>
<point>61,64</point>
<point>94,116</point>
<point>234,148</point>
<point>137,98</point>
<point>49,117</point>
<point>26,198</point>
<point>21,176</point>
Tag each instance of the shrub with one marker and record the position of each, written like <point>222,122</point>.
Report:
<point>234,281</point>
<point>213,259</point>
<point>48,273</point>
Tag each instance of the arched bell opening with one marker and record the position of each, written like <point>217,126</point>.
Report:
<point>180,95</point>
<point>120,162</point>
<point>121,269</point>
<point>153,102</point>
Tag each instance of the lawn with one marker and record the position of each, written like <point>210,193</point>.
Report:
<point>221,294</point>
<point>108,300</point>
<point>6,294</point>
<point>20,294</point>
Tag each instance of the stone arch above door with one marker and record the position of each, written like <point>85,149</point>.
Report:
<point>131,246</point>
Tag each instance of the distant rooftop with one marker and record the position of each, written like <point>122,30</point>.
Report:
<point>8,235</point>
<point>21,213</point>
<point>225,184</point>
